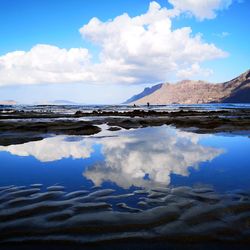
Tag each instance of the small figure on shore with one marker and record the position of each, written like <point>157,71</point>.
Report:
<point>148,104</point>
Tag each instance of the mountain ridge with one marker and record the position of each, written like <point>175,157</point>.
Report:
<point>145,92</point>
<point>8,102</point>
<point>236,90</point>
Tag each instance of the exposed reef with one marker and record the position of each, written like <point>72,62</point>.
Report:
<point>35,125</point>
<point>24,131</point>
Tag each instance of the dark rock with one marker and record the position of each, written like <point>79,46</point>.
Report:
<point>114,128</point>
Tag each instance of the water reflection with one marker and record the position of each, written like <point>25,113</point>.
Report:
<point>52,149</point>
<point>148,157</point>
<point>144,158</point>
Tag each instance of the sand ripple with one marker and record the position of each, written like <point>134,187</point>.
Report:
<point>30,214</point>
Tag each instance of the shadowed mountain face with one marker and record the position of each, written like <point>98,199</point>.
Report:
<point>145,92</point>
<point>236,90</point>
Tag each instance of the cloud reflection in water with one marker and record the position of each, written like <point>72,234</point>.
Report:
<point>151,152</point>
<point>52,149</point>
<point>154,153</point>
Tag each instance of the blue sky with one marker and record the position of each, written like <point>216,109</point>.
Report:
<point>108,65</point>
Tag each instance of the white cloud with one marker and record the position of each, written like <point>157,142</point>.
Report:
<point>201,9</point>
<point>44,64</point>
<point>141,49</point>
<point>222,34</point>
<point>194,69</point>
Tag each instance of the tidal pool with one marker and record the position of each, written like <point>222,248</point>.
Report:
<point>147,182</point>
<point>141,158</point>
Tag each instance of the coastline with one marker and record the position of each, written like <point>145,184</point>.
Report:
<point>170,217</point>
<point>20,126</point>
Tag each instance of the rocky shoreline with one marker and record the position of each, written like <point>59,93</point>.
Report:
<point>19,126</point>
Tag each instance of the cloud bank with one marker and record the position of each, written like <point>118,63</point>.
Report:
<point>133,50</point>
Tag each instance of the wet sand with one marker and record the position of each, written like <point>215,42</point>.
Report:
<point>182,215</point>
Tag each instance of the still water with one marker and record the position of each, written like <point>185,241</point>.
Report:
<point>123,160</point>
<point>143,184</point>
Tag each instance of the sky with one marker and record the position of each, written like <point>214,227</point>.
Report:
<point>103,52</point>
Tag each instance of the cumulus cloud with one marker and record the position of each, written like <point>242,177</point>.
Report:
<point>44,64</point>
<point>201,9</point>
<point>140,49</point>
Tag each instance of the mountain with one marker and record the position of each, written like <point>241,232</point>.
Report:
<point>145,92</point>
<point>8,102</point>
<point>236,90</point>
<point>56,102</point>
<point>63,102</point>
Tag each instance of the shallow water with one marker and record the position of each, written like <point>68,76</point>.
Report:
<point>147,182</point>
<point>142,158</point>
